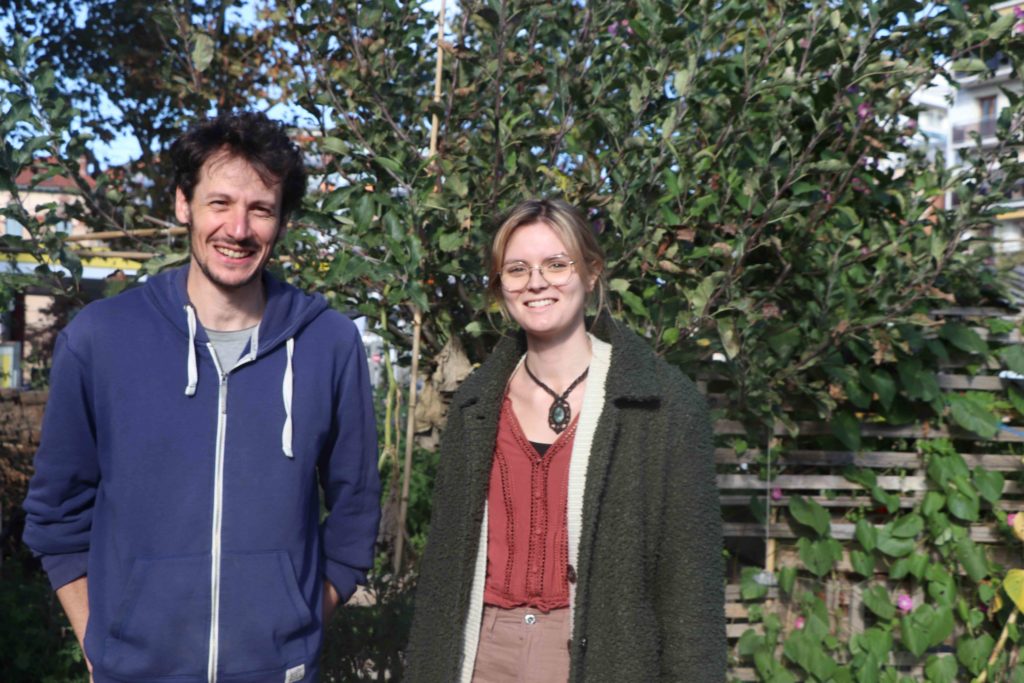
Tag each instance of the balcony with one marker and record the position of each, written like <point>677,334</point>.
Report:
<point>985,128</point>
<point>1014,198</point>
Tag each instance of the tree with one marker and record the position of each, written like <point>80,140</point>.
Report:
<point>770,213</point>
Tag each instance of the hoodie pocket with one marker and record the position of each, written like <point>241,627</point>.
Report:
<point>162,627</point>
<point>265,623</point>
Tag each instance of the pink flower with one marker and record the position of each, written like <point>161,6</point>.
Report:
<point>798,624</point>
<point>1018,12</point>
<point>614,27</point>
<point>911,124</point>
<point>804,43</point>
<point>1019,28</point>
<point>905,603</point>
<point>776,493</point>
<point>1010,517</point>
<point>863,110</point>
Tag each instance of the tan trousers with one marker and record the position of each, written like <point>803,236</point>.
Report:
<point>522,645</point>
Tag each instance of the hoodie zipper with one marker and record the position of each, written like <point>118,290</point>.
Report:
<point>218,508</point>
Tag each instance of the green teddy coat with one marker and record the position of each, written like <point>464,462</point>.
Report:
<point>650,593</point>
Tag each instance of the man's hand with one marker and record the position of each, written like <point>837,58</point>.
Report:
<point>74,598</point>
<point>331,599</point>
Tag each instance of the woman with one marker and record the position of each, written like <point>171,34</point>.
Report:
<point>575,531</point>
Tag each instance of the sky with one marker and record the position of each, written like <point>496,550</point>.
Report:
<point>126,148</point>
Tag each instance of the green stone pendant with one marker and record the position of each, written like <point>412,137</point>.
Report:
<point>559,415</point>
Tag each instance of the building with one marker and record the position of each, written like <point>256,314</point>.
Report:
<point>973,119</point>
<point>29,325</point>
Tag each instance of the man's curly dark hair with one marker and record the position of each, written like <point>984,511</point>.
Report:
<point>251,136</point>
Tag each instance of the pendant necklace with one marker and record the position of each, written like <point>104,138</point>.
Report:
<point>560,414</point>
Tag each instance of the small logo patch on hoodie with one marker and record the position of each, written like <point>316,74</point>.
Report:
<point>295,674</point>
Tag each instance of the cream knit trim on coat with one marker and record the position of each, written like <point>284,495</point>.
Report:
<point>590,413</point>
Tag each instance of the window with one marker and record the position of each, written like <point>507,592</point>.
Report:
<point>13,228</point>
<point>987,106</point>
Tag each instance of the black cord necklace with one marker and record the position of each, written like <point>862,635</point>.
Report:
<point>560,414</point>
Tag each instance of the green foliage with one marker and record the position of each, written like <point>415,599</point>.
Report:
<point>749,168</point>
<point>363,642</point>
<point>36,641</point>
<point>736,161</point>
<point>926,553</point>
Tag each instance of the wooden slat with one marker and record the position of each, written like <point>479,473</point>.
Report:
<point>751,482</point>
<point>1012,337</point>
<point>733,592</point>
<point>823,458</point>
<point>847,502</point>
<point>734,631</point>
<point>968,383</point>
<point>734,427</point>
<point>975,312</point>
<point>841,502</point>
<point>841,531</point>
<point>870,459</point>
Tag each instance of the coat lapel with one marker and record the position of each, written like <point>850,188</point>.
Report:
<point>632,380</point>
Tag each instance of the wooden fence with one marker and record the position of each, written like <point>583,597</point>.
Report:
<point>800,469</point>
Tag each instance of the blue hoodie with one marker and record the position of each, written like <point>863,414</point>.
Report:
<point>190,497</point>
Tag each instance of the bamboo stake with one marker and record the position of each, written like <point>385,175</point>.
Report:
<point>417,326</point>
<point>435,123</point>
<point>410,436</point>
<point>129,255</point>
<point>998,649</point>
<point>105,235</point>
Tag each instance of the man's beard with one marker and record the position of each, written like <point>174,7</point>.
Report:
<point>208,272</point>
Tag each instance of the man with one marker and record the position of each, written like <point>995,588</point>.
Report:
<point>175,503</point>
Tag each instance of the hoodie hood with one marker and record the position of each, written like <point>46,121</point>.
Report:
<point>288,310</point>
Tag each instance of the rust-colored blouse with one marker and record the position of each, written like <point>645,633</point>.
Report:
<point>527,538</point>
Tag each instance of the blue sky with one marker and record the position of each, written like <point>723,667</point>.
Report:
<point>125,148</point>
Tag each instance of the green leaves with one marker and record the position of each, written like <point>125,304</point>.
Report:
<point>866,534</point>
<point>819,556</point>
<point>925,627</point>
<point>1013,356</point>
<point>877,599</point>
<point>863,562</point>
<point>846,428</point>
<point>962,499</point>
<point>810,514</point>
<point>893,545</point>
<point>988,483</point>
<point>807,652</point>
<point>973,411</point>
<point>963,337</point>
<point>202,51</point>
<point>973,653</point>
<point>972,558</point>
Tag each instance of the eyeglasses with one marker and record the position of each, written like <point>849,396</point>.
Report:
<point>556,271</point>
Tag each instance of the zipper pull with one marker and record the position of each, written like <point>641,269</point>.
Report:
<point>223,395</point>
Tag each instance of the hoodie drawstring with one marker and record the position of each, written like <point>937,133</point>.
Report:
<point>286,385</point>
<point>193,368</point>
<point>286,394</point>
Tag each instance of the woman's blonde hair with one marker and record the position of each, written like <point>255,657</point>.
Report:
<point>572,229</point>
